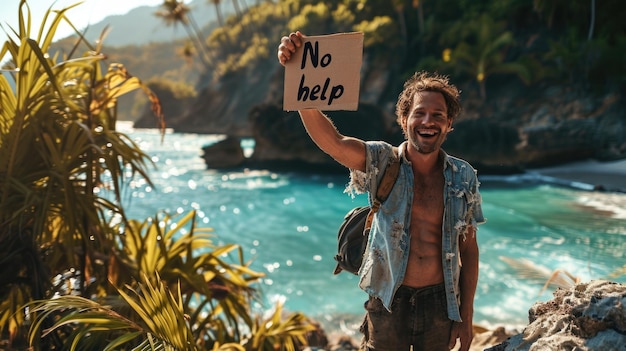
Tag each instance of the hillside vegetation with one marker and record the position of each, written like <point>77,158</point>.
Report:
<point>542,81</point>
<point>479,43</point>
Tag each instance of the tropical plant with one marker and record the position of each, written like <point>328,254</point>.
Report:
<point>58,149</point>
<point>196,301</point>
<point>176,12</point>
<point>573,13</point>
<point>276,332</point>
<point>480,51</point>
<point>159,327</point>
<point>218,11</point>
<point>185,256</point>
<point>99,279</point>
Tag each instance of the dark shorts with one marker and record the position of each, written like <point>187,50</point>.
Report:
<point>418,318</point>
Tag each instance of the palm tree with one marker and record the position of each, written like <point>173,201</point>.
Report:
<point>592,22</point>
<point>548,9</point>
<point>218,11</point>
<point>176,12</point>
<point>481,51</point>
<point>398,6</point>
<point>237,8</point>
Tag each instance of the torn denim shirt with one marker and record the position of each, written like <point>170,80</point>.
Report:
<point>386,257</point>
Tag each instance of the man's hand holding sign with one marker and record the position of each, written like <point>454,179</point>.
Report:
<point>335,59</point>
<point>325,73</point>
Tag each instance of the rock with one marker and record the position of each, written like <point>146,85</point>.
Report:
<point>484,337</point>
<point>282,144</point>
<point>317,339</point>
<point>588,316</point>
<point>565,141</point>
<point>224,154</point>
<point>344,343</point>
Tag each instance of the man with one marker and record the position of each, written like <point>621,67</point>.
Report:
<point>421,266</point>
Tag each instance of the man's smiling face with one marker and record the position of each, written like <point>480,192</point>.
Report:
<point>427,124</point>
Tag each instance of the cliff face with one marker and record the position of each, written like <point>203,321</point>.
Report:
<point>514,128</point>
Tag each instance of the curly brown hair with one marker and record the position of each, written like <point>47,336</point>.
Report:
<point>425,81</point>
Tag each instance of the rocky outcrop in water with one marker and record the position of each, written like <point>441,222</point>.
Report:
<point>589,316</point>
<point>282,144</point>
<point>225,154</point>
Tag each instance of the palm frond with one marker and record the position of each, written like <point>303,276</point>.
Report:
<point>161,324</point>
<point>162,313</point>
<point>279,333</point>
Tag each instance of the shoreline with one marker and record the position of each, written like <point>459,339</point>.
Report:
<point>588,175</point>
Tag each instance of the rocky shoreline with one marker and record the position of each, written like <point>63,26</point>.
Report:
<point>586,316</point>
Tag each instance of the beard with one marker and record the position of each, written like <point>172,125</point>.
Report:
<point>426,144</point>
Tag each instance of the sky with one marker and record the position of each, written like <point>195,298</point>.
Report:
<point>88,12</point>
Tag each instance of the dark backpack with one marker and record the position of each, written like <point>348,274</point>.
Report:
<point>355,228</point>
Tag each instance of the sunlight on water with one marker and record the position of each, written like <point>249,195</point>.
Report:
<point>287,225</point>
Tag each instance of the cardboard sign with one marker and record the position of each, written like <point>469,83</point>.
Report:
<point>324,73</point>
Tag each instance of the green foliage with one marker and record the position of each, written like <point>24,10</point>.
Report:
<point>277,333</point>
<point>58,149</point>
<point>311,19</point>
<point>100,327</point>
<point>245,41</point>
<point>585,63</point>
<point>101,280</point>
<point>343,18</point>
<point>185,255</point>
<point>514,36</point>
<point>479,50</point>
<point>497,139</point>
<point>486,39</point>
<point>605,56</point>
<point>184,277</point>
<point>179,90</point>
<point>378,32</point>
<point>565,56</point>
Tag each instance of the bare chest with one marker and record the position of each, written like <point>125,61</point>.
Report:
<point>424,263</point>
<point>428,193</point>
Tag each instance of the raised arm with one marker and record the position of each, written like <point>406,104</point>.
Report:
<point>348,151</point>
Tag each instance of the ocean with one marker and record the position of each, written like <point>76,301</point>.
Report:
<point>287,224</point>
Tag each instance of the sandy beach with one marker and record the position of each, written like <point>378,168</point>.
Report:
<point>590,174</point>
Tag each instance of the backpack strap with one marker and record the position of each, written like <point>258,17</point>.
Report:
<point>384,188</point>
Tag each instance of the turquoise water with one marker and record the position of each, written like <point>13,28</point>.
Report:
<point>286,223</point>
